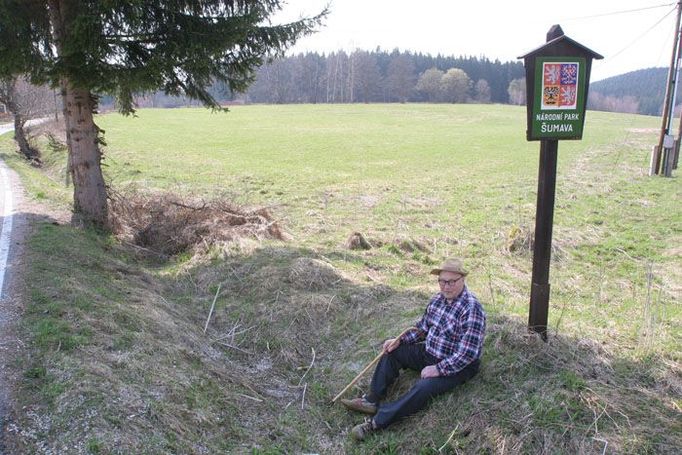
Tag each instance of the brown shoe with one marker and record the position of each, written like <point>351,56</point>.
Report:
<point>361,431</point>
<point>360,405</point>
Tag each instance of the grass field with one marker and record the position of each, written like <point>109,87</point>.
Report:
<point>295,320</point>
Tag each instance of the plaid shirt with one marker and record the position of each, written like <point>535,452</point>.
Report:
<point>454,331</point>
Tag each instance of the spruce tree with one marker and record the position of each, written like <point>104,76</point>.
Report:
<point>128,47</point>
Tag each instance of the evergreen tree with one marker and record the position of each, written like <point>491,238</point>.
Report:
<point>400,77</point>
<point>366,82</point>
<point>482,91</point>
<point>121,47</point>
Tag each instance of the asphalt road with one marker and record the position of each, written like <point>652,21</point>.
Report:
<point>7,213</point>
<point>13,225</point>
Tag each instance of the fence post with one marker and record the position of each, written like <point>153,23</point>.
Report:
<point>652,162</point>
<point>669,158</point>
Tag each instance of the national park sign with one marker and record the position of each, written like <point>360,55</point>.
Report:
<point>559,105</point>
<point>558,110</point>
<point>557,81</point>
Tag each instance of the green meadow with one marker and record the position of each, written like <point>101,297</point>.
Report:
<point>296,319</point>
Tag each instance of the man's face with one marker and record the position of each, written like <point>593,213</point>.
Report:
<point>451,284</point>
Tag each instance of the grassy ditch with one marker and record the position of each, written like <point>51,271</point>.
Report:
<point>117,360</point>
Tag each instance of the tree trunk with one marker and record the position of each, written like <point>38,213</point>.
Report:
<point>25,149</point>
<point>89,190</point>
<point>10,97</point>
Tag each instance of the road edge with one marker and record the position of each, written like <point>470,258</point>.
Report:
<point>11,299</point>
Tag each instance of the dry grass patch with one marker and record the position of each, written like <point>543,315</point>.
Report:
<point>167,224</point>
<point>313,274</point>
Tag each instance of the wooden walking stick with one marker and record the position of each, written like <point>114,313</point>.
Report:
<point>370,365</point>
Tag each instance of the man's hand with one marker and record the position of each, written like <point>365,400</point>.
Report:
<point>391,344</point>
<point>430,372</point>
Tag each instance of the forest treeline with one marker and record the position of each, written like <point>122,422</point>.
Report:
<point>383,77</point>
<point>373,77</point>
<point>386,77</point>
<point>637,92</point>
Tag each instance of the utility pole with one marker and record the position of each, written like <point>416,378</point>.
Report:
<point>664,140</point>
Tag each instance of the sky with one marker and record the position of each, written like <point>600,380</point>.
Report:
<point>630,34</point>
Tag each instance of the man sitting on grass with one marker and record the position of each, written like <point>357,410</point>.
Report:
<point>445,346</point>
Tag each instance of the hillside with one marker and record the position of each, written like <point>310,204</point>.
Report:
<point>638,92</point>
<point>117,359</point>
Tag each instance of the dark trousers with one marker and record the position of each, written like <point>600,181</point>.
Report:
<point>414,357</point>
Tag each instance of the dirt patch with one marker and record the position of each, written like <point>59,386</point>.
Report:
<point>369,201</point>
<point>642,130</point>
<point>420,202</point>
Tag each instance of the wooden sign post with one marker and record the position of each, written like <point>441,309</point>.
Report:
<point>557,79</point>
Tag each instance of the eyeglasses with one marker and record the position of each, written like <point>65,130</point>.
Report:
<point>449,282</point>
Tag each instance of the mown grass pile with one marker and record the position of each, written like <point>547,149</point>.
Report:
<point>117,360</point>
<point>166,224</point>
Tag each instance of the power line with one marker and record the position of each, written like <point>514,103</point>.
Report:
<point>643,34</point>
<point>614,13</point>
<point>663,49</point>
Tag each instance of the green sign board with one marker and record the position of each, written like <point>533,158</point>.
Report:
<point>559,102</point>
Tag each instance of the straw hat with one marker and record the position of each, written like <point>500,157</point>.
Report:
<point>451,265</point>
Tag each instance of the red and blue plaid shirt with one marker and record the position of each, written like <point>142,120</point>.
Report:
<point>454,331</point>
